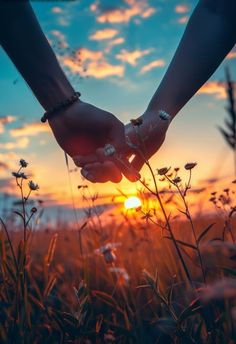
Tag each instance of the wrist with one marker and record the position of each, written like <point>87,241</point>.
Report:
<point>52,91</point>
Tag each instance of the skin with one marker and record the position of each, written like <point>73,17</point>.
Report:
<point>208,38</point>
<point>74,128</point>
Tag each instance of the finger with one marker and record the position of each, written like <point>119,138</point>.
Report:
<point>81,160</point>
<point>87,175</point>
<point>117,136</point>
<point>106,171</point>
<point>138,162</point>
<point>122,162</point>
<point>102,172</point>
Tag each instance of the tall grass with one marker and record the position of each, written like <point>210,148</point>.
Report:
<point>153,279</point>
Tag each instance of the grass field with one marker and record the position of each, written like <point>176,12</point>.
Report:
<point>155,274</point>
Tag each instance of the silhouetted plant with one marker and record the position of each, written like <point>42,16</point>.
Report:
<point>229,133</point>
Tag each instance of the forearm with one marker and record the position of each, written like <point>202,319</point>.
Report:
<point>24,42</point>
<point>209,36</point>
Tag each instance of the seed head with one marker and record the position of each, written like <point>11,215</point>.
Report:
<point>19,175</point>
<point>163,171</point>
<point>190,165</point>
<point>23,163</point>
<point>176,180</point>
<point>33,210</point>
<point>33,186</point>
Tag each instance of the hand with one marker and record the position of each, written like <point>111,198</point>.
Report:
<point>144,137</point>
<point>82,128</point>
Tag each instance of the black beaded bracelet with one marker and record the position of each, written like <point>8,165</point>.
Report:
<point>69,101</point>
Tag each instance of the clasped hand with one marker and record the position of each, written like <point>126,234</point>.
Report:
<point>83,130</point>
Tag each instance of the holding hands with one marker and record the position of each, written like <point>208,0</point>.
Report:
<point>143,137</point>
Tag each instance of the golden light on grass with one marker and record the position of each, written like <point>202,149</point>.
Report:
<point>132,202</point>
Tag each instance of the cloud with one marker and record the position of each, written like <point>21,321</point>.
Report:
<point>104,34</point>
<point>92,63</point>
<point>32,129</point>
<point>151,65</point>
<point>5,120</point>
<point>183,20</point>
<point>215,88</point>
<point>132,57</point>
<point>21,143</point>
<point>113,42</point>
<point>8,161</point>
<point>61,38</point>
<point>3,166</point>
<point>181,8</point>
<point>56,10</point>
<point>132,8</point>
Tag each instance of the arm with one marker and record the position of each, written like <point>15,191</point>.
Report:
<point>209,36</point>
<point>82,127</point>
<point>26,45</point>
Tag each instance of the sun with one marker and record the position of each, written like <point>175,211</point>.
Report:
<point>132,202</point>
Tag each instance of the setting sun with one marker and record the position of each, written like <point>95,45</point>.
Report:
<point>132,202</point>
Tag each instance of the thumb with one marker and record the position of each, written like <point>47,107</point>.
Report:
<point>137,162</point>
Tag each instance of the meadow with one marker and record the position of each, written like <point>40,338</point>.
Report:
<point>158,274</point>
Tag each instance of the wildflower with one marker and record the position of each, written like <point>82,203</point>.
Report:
<point>190,165</point>
<point>23,163</point>
<point>176,169</point>
<point>109,150</point>
<point>33,186</point>
<point>19,175</point>
<point>122,272</point>
<point>137,122</point>
<point>212,199</point>
<point>176,180</point>
<point>163,171</point>
<point>108,252</point>
<point>147,216</point>
<point>33,210</point>
<point>164,115</point>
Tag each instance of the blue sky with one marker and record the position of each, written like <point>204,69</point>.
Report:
<point>133,41</point>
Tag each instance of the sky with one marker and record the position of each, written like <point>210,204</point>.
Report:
<point>124,48</point>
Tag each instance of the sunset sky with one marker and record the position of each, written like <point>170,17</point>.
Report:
<point>125,47</point>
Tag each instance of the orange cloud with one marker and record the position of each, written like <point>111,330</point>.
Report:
<point>132,57</point>
<point>92,63</point>
<point>112,43</point>
<point>104,34</point>
<point>181,8</point>
<point>135,8</point>
<point>183,20</point>
<point>31,129</point>
<point>21,143</point>
<point>5,120</point>
<point>151,65</point>
<point>215,88</point>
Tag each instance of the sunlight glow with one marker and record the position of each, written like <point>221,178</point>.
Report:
<point>132,202</point>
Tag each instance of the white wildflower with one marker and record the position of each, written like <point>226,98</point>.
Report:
<point>33,186</point>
